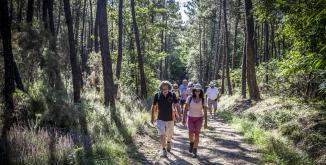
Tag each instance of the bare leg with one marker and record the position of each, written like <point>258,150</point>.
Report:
<point>196,140</point>
<point>163,141</point>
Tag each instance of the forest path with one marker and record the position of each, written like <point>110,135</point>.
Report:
<point>219,144</point>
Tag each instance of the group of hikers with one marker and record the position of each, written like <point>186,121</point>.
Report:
<point>187,103</point>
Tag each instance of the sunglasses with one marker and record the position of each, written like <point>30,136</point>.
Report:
<point>197,90</point>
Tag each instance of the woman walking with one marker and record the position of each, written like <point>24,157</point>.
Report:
<point>195,110</point>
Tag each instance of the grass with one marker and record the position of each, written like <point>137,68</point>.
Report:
<point>283,129</point>
<point>108,141</point>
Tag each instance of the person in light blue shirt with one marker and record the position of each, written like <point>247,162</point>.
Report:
<point>183,89</point>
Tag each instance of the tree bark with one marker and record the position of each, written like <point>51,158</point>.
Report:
<point>76,73</point>
<point>82,46</point>
<point>9,67</point>
<point>97,16</point>
<point>105,53</point>
<point>235,36</point>
<point>120,26</point>
<point>244,68</point>
<point>227,50</point>
<point>140,56</point>
<point>30,9</point>
<point>251,72</point>
<point>45,13</point>
<point>50,16</point>
<point>223,66</point>
<point>266,49</point>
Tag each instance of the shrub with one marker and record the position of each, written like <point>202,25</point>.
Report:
<point>40,146</point>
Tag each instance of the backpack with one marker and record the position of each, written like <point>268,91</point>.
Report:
<point>202,101</point>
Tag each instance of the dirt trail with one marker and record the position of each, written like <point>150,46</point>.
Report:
<point>219,144</point>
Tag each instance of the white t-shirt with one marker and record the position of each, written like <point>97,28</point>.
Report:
<point>195,109</point>
<point>212,93</point>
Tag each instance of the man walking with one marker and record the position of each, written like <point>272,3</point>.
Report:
<point>212,96</point>
<point>165,102</point>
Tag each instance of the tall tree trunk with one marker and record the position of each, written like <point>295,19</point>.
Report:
<point>210,68</point>
<point>244,68</point>
<point>75,67</point>
<point>223,65</point>
<point>218,47</point>
<point>20,10</point>
<point>105,53</point>
<point>77,22</point>
<point>258,44</point>
<point>9,67</point>
<point>50,16</point>
<point>266,49</point>
<point>140,56</point>
<point>273,41</point>
<point>204,71</point>
<point>235,36</point>
<point>83,54</point>
<point>59,18</point>
<point>30,9</point>
<point>227,50</point>
<point>120,26</point>
<point>251,72</point>
<point>97,17</point>
<point>90,28</point>
<point>45,13</point>
<point>200,53</point>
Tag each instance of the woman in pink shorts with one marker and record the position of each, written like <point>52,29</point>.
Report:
<point>196,110</point>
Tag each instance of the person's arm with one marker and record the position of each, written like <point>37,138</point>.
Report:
<point>175,103</point>
<point>153,110</point>
<point>205,115</point>
<point>185,111</point>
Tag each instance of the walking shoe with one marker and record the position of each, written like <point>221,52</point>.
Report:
<point>168,146</point>
<point>191,147</point>
<point>194,152</point>
<point>164,153</point>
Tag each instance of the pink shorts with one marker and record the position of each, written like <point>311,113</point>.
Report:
<point>195,124</point>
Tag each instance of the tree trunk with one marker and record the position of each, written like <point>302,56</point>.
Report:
<point>83,54</point>
<point>76,73</point>
<point>244,68</point>
<point>227,50</point>
<point>211,67</point>
<point>223,66</point>
<point>9,68</point>
<point>200,53</point>
<point>59,18</point>
<point>251,72</point>
<point>97,17</point>
<point>218,47</point>
<point>45,13</point>
<point>90,28</point>
<point>266,49</point>
<point>30,9</point>
<point>235,36</point>
<point>120,26</point>
<point>105,53</point>
<point>140,56</point>
<point>50,16</point>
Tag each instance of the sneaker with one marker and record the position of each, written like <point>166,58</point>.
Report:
<point>168,146</point>
<point>164,153</point>
<point>194,152</point>
<point>191,147</point>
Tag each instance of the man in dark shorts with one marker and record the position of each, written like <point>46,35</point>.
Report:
<point>165,102</point>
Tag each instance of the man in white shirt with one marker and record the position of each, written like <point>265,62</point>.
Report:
<point>212,96</point>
